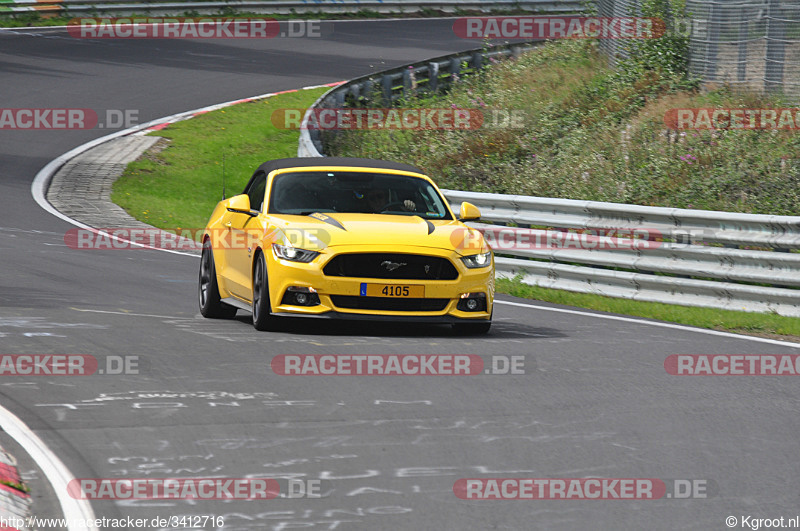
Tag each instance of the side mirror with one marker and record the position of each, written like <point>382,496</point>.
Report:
<point>469,212</point>
<point>240,203</point>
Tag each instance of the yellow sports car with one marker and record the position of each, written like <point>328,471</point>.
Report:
<point>345,238</point>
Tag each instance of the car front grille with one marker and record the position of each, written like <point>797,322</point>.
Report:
<point>391,266</point>
<point>389,304</point>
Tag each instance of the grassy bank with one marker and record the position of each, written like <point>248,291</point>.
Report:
<point>594,133</point>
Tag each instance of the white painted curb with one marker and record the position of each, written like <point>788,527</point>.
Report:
<point>42,180</point>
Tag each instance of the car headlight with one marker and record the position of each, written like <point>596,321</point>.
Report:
<point>293,254</point>
<point>476,261</point>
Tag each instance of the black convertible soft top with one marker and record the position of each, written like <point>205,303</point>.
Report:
<point>278,164</point>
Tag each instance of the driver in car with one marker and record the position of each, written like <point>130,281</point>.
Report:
<point>379,198</point>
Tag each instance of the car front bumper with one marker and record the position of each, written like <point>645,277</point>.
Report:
<point>283,274</point>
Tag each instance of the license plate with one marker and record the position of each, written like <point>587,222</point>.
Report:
<point>398,291</point>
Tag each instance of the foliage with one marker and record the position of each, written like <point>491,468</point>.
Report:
<point>595,133</point>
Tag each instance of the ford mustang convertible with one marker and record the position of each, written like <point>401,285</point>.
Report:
<point>345,238</point>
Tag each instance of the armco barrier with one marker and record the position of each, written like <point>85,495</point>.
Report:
<point>123,8</point>
<point>691,257</point>
<point>724,260</point>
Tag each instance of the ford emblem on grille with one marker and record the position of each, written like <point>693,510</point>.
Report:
<point>391,266</point>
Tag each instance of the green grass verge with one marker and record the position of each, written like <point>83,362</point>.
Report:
<point>179,187</point>
<point>766,325</point>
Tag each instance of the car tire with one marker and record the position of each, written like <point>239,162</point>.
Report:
<point>208,290</point>
<point>263,320</point>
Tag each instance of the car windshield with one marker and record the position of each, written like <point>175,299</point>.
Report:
<point>304,193</point>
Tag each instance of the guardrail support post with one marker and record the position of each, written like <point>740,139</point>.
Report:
<point>339,98</point>
<point>368,89</point>
<point>386,83</point>
<point>455,68</point>
<point>355,92</point>
<point>433,76</point>
<point>406,82</point>
<point>477,60</point>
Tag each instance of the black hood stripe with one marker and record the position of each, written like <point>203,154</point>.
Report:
<point>327,219</point>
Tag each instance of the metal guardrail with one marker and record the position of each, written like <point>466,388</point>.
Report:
<point>126,8</point>
<point>724,260</point>
<point>689,257</point>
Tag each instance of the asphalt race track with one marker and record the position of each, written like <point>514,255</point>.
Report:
<point>595,399</point>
